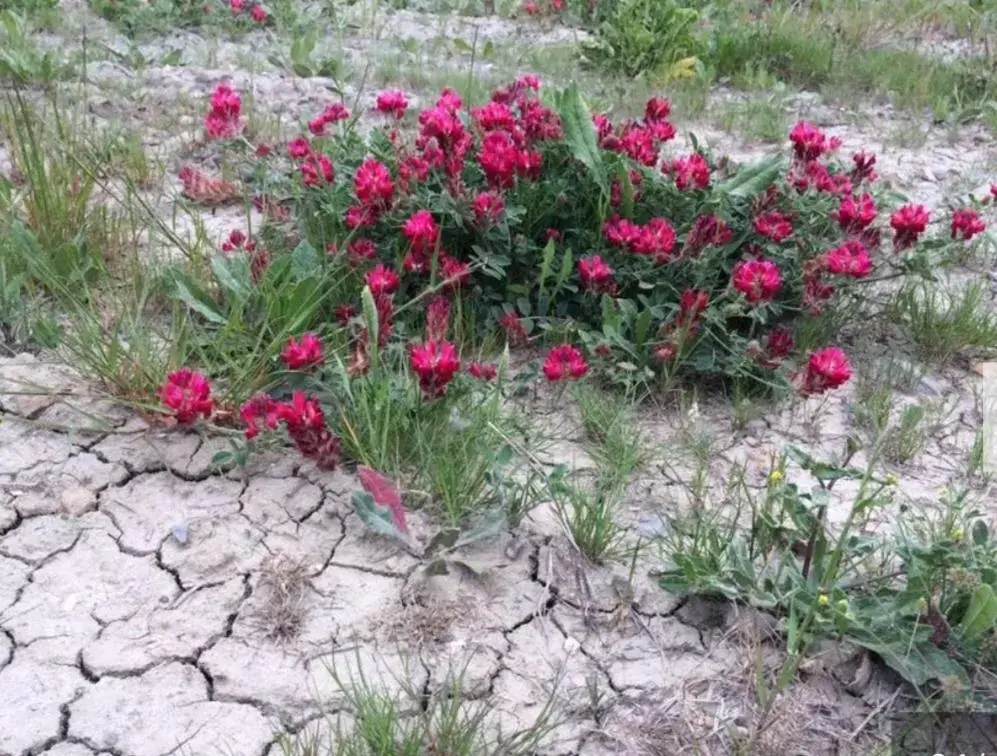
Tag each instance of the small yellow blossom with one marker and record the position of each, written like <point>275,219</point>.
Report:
<point>956,534</point>
<point>922,605</point>
<point>891,479</point>
<point>823,600</point>
<point>775,476</point>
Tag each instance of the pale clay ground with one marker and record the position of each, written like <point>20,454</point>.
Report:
<point>118,638</point>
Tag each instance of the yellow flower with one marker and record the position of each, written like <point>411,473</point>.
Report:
<point>943,493</point>
<point>823,600</point>
<point>922,605</point>
<point>891,479</point>
<point>775,476</point>
<point>956,534</point>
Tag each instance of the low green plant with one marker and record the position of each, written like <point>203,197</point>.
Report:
<point>944,320</point>
<point>405,720</point>
<point>653,38</point>
<point>921,598</point>
<point>588,512</point>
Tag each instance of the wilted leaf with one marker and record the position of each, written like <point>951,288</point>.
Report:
<point>384,493</point>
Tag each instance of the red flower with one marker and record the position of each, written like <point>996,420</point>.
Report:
<point>826,369</point>
<point>691,172</point>
<point>515,332</point>
<point>488,206</point>
<point>259,14</point>
<point>316,169</point>
<point>299,148</point>
<point>437,318</point>
<point>780,343</point>
<point>372,184</point>
<point>382,281</point>
<point>759,280</point>
<point>263,408</point>
<point>640,143</point>
<point>498,158</point>
<point>665,353</point>
<point>412,168</point>
<point>306,426</point>
<point>422,231</point>
<point>494,116</point>
<point>531,8</point>
<point>707,230</point>
<point>358,216</point>
<point>483,371</point>
<point>657,109</point>
<point>595,274</point>
<point>773,225</point>
<point>564,362</point>
<point>188,394</point>
<point>392,102</point>
<point>360,250</point>
<point>908,223</point>
<point>529,164</point>
<point>304,354</point>
<point>435,363</point>
<point>809,142</point>
<point>223,119</point>
<point>345,313</point>
<point>966,224</point>
<point>854,216</point>
<point>657,238</point>
<point>620,232</point>
<point>450,100</point>
<point>236,5</point>
<point>864,169</point>
<point>454,272</point>
<point>850,259</point>
<point>692,304</point>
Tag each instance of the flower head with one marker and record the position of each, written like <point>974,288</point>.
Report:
<point>303,354</point>
<point>382,281</point>
<point>564,362</point>
<point>826,369</point>
<point>223,120</point>
<point>372,184</point>
<point>455,273</point>
<point>692,172</point>
<point>483,371</point>
<point>809,142</point>
<point>864,169</point>
<point>908,223</point>
<point>595,274</point>
<point>515,331</point>
<point>758,280</point>
<point>774,226</point>
<point>854,215</point>
<point>966,224</point>
<point>298,148</point>
<point>707,230</point>
<point>392,102</point>
<point>692,304</point>
<point>437,318</point>
<point>850,259</point>
<point>260,408</point>
<point>305,423</point>
<point>259,14</point>
<point>657,109</point>
<point>435,363</point>
<point>422,231</point>
<point>488,206</point>
<point>188,394</point>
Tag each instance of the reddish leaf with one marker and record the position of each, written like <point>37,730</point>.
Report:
<point>385,494</point>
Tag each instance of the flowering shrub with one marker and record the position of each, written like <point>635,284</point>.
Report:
<point>531,213</point>
<point>533,218</point>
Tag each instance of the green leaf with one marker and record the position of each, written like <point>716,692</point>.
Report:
<point>641,328</point>
<point>462,47</point>
<point>304,261</point>
<point>181,287</point>
<point>445,539</point>
<point>546,264</point>
<point>490,525</point>
<point>378,519</point>
<point>752,180</point>
<point>567,265</point>
<point>370,317</point>
<point>580,134</point>
<point>233,274</point>
<point>981,615</point>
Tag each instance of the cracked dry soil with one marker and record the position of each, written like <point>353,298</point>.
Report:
<point>124,634</point>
